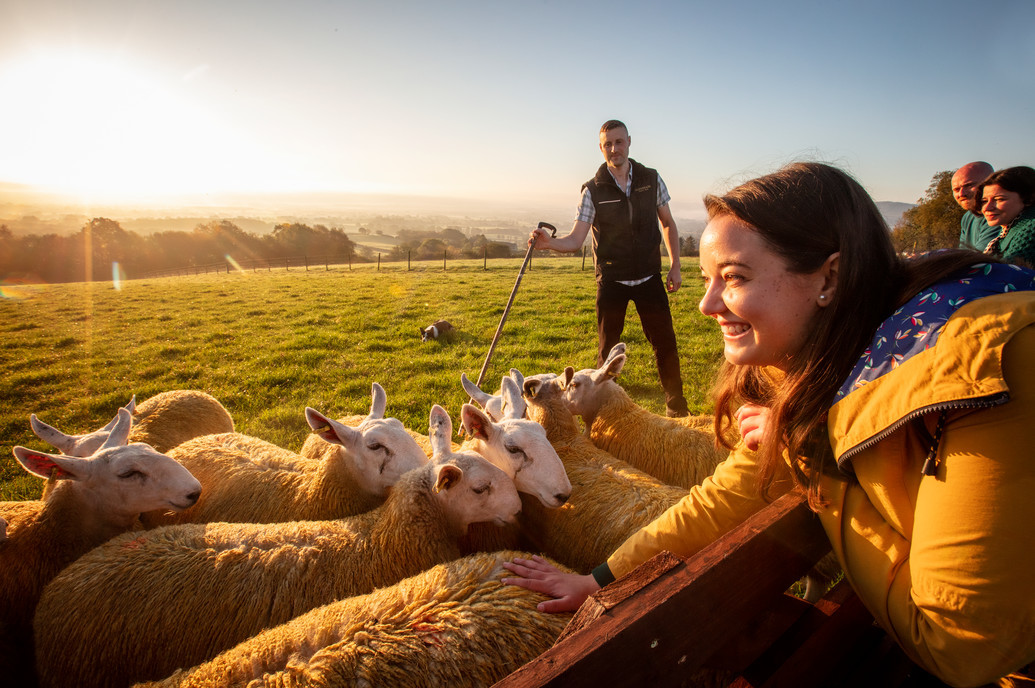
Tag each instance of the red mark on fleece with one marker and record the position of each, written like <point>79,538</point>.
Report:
<point>431,632</point>
<point>135,544</point>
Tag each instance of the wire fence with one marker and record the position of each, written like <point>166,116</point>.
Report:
<point>307,263</point>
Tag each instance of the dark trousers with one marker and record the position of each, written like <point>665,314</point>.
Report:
<point>651,301</point>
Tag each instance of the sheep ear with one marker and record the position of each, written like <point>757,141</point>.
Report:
<point>518,377</point>
<point>119,434</point>
<point>473,391</point>
<point>131,407</point>
<point>440,430</point>
<point>615,365</point>
<point>448,475</point>
<point>618,348</point>
<point>51,435</point>
<point>531,388</point>
<point>476,423</point>
<point>330,430</point>
<point>569,373</point>
<point>44,465</point>
<point>378,402</point>
<point>513,405</point>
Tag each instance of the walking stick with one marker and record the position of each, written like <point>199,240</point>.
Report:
<point>495,337</point>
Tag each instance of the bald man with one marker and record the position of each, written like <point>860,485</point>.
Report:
<point>974,231</point>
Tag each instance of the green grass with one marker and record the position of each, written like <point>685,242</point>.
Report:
<point>268,344</point>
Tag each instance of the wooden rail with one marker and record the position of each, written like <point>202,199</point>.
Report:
<point>724,618</point>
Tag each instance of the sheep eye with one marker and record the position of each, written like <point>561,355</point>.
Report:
<point>480,490</point>
<point>514,450</point>
<point>375,446</point>
<point>133,473</point>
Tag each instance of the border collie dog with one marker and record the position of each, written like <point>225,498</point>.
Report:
<point>435,330</point>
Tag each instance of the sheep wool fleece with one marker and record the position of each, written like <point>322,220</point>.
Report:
<point>945,562</point>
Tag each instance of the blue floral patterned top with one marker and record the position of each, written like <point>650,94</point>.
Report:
<point>915,326</point>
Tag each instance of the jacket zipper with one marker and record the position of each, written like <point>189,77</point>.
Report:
<point>930,464</point>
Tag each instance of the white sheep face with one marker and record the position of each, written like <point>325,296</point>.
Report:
<point>376,453</point>
<point>472,490</point>
<point>585,390</point>
<point>520,449</point>
<point>123,481</point>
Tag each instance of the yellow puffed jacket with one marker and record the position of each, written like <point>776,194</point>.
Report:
<point>934,519</point>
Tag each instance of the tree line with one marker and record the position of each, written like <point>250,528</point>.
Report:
<point>934,222</point>
<point>91,253</point>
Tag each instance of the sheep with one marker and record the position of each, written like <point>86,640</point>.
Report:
<point>92,500</point>
<point>179,595</point>
<point>379,440</point>
<point>520,448</point>
<point>171,418</point>
<point>610,500</point>
<point>249,480</point>
<point>454,624</point>
<point>76,445</point>
<point>675,452</point>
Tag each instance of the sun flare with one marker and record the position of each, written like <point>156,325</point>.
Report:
<point>97,125</point>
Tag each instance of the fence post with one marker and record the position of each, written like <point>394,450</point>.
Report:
<point>485,257</point>
<point>444,260</point>
<point>583,257</point>
<point>379,261</point>
<point>306,263</point>
<point>228,268</point>
<point>408,260</point>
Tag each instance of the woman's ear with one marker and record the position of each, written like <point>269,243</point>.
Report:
<point>829,272</point>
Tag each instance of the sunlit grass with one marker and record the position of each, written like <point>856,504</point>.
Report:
<point>268,344</point>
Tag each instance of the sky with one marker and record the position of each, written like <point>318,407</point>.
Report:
<point>501,102</point>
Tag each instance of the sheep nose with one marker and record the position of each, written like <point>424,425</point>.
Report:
<point>192,498</point>
<point>561,498</point>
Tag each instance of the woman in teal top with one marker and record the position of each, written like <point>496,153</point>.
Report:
<point>1008,202</point>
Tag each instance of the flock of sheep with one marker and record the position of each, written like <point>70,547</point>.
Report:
<point>168,550</point>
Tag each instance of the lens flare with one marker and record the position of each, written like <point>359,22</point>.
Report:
<point>117,275</point>
<point>233,262</point>
<point>14,291</point>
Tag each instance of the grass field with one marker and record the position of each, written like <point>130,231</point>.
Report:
<point>268,344</point>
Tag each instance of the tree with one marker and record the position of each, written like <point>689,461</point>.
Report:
<point>934,222</point>
<point>687,246</point>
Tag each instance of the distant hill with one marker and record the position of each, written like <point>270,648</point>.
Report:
<point>892,211</point>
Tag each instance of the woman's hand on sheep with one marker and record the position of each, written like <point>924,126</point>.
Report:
<point>752,420</point>
<point>570,590</point>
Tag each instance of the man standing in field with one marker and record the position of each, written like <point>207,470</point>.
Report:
<point>622,204</point>
<point>974,231</point>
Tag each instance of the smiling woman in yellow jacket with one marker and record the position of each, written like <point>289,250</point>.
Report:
<point>907,387</point>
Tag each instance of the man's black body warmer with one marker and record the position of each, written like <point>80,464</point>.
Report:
<point>626,240</point>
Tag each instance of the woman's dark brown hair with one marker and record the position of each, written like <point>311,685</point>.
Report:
<point>806,212</point>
